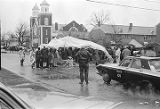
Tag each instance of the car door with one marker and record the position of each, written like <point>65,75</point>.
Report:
<point>121,70</point>
<point>134,73</point>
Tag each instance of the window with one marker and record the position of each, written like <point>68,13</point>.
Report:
<point>136,64</point>
<point>126,62</point>
<point>145,38</point>
<point>127,36</point>
<point>45,10</point>
<point>39,31</point>
<point>155,64</point>
<point>45,21</point>
<point>145,64</point>
<point>46,32</point>
<point>46,40</point>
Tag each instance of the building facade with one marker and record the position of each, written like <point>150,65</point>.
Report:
<point>124,34</point>
<point>40,24</point>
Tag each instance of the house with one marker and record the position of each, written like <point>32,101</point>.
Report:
<point>75,27</point>
<point>72,29</point>
<point>124,34</point>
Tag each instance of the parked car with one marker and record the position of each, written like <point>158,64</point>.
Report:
<point>15,48</point>
<point>134,70</point>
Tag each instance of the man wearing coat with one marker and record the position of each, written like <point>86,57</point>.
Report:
<point>83,58</point>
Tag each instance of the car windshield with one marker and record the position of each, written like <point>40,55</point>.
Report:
<point>155,64</point>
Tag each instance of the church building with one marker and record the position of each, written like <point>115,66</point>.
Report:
<point>40,24</point>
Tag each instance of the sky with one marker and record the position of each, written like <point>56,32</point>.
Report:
<point>13,12</point>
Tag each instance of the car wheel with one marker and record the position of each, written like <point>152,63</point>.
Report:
<point>106,78</point>
<point>146,86</point>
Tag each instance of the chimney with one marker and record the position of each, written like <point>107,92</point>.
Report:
<point>130,27</point>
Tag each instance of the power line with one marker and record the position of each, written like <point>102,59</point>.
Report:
<point>128,6</point>
<point>152,1</point>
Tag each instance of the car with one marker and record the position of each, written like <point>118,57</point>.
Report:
<point>9,100</point>
<point>140,70</point>
<point>35,96</point>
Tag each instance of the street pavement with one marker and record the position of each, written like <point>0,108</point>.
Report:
<point>66,80</point>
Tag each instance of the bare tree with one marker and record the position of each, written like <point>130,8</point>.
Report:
<point>116,36</point>
<point>99,18</point>
<point>21,31</point>
<point>6,38</point>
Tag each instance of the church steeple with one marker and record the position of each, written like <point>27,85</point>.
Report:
<point>44,7</point>
<point>35,10</point>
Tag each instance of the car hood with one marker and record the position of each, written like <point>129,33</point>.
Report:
<point>44,99</point>
<point>41,98</point>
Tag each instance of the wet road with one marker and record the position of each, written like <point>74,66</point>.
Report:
<point>67,80</point>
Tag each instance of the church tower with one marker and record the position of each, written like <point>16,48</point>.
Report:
<point>40,24</point>
<point>34,26</point>
<point>45,23</point>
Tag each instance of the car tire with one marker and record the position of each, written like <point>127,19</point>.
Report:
<point>146,86</point>
<point>106,78</point>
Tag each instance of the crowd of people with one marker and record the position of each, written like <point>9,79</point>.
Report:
<point>50,57</point>
<point>119,53</point>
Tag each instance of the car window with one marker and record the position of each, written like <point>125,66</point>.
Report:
<point>155,64</point>
<point>126,62</point>
<point>136,64</point>
<point>145,64</point>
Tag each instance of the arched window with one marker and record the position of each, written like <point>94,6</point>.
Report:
<point>73,29</point>
<point>45,21</point>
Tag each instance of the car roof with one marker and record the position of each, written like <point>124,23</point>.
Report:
<point>144,57</point>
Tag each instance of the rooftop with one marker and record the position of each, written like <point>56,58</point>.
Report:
<point>122,29</point>
<point>35,7</point>
<point>44,2</point>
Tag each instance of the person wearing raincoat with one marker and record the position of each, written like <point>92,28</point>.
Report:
<point>32,58</point>
<point>117,54</point>
<point>22,56</point>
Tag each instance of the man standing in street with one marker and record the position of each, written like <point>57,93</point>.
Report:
<point>117,54</point>
<point>22,56</point>
<point>83,58</point>
<point>44,53</point>
<point>38,58</point>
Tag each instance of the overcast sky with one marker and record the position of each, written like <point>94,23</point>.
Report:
<point>12,12</point>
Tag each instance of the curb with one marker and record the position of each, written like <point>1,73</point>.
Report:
<point>43,84</point>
